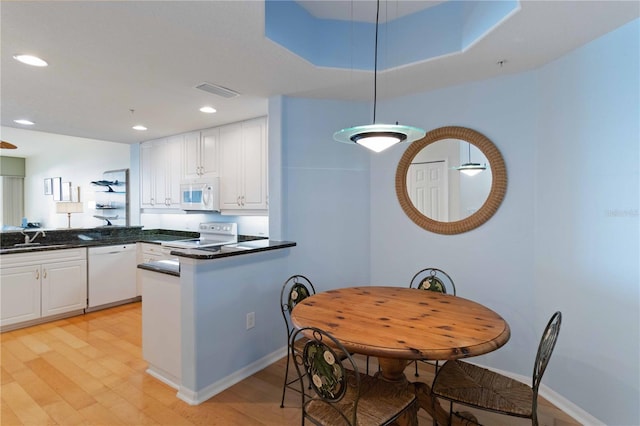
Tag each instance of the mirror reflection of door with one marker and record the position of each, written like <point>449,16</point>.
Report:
<point>438,190</point>
<point>428,187</point>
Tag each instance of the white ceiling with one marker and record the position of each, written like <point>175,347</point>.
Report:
<point>107,58</point>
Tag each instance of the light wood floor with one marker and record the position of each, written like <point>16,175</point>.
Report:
<point>88,370</point>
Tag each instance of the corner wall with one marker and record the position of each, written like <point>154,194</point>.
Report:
<point>587,225</point>
<point>567,235</point>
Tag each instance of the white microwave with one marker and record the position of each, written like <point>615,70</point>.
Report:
<point>200,195</point>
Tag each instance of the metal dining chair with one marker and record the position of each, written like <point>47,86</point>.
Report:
<point>432,279</point>
<point>474,386</point>
<point>294,290</point>
<point>343,395</point>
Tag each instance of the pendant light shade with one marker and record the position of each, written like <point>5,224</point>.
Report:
<point>469,168</point>
<point>378,137</point>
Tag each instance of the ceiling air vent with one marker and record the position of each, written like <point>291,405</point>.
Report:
<point>217,90</point>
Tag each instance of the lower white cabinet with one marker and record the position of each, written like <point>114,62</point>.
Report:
<point>20,294</point>
<point>64,287</point>
<point>42,284</point>
<point>149,252</point>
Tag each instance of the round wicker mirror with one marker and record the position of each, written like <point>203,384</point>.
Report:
<point>493,200</point>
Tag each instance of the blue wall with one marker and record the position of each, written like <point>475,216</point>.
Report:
<point>566,236</point>
<point>587,221</point>
<point>325,193</point>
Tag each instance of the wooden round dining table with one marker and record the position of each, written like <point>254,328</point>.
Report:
<point>398,324</point>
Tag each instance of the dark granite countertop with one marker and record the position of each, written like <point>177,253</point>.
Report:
<point>57,239</point>
<point>172,267</point>
<point>243,247</point>
<point>169,267</point>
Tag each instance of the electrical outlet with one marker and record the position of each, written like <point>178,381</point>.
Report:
<point>251,320</point>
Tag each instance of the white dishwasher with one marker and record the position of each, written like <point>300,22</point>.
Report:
<point>112,275</point>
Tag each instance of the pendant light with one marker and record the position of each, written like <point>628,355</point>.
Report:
<point>469,168</point>
<point>378,137</point>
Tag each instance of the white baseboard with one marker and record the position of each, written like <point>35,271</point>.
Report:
<point>163,377</point>
<point>192,397</point>
<point>571,409</point>
<point>197,397</point>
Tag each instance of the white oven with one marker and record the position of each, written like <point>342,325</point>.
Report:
<point>200,195</point>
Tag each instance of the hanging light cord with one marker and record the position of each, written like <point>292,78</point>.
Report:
<point>375,66</point>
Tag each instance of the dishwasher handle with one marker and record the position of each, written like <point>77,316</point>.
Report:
<point>112,249</point>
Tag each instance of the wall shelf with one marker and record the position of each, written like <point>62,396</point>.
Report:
<point>112,196</point>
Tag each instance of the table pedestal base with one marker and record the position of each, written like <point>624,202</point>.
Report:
<point>392,370</point>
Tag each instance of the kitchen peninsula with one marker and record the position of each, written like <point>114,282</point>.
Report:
<point>207,324</point>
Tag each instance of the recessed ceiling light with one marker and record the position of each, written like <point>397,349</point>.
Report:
<point>208,109</point>
<point>25,122</point>
<point>139,127</point>
<point>31,60</point>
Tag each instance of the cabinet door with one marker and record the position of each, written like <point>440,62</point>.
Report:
<point>19,294</point>
<point>230,172</point>
<point>172,171</point>
<point>64,287</point>
<point>147,175</point>
<point>254,165</point>
<point>159,171</point>
<point>209,152</point>
<point>191,164</point>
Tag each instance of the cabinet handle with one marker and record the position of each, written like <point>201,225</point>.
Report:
<point>238,200</point>
<point>44,273</point>
<point>152,201</point>
<point>37,274</point>
<point>242,198</point>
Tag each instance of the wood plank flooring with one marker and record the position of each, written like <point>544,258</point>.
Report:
<point>88,370</point>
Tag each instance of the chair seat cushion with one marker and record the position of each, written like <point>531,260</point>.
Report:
<point>476,386</point>
<point>380,402</point>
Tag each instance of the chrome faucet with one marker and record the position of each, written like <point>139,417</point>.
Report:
<point>28,240</point>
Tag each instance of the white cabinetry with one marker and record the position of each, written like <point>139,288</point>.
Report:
<point>160,172</point>
<point>20,291</point>
<point>200,154</point>
<point>64,287</point>
<point>42,284</point>
<point>243,167</point>
<point>148,252</point>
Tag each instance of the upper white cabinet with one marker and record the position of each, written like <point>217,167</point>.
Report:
<point>236,153</point>
<point>160,172</point>
<point>200,154</point>
<point>243,167</point>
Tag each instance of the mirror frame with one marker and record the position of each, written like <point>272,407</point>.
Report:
<point>491,204</point>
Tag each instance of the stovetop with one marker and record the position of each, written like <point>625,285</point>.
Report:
<point>211,234</point>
